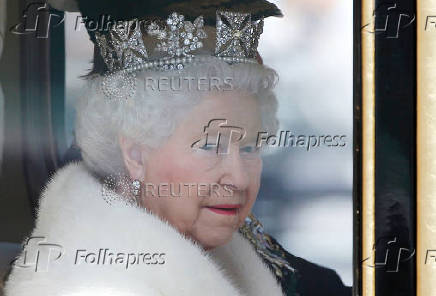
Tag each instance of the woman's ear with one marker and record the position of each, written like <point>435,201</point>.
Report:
<point>133,156</point>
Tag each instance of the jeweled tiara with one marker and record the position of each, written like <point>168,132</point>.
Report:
<point>179,42</point>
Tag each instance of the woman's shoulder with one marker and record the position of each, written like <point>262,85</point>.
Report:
<point>296,275</point>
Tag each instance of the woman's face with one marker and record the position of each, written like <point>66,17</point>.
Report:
<point>205,192</point>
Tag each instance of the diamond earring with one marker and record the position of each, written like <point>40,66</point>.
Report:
<point>136,191</point>
<point>136,187</point>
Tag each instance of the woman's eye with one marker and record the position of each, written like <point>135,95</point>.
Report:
<point>249,149</point>
<point>207,147</point>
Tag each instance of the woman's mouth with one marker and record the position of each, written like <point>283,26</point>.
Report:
<point>225,209</point>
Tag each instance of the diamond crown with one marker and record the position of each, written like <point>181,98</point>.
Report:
<point>123,48</point>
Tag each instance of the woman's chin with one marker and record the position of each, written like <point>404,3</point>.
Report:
<point>214,238</point>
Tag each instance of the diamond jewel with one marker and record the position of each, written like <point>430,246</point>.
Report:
<point>179,34</point>
<point>122,47</point>
<point>119,86</point>
<point>234,32</point>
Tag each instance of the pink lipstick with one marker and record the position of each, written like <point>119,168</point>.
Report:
<point>225,209</point>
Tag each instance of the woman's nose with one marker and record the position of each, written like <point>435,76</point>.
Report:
<point>234,171</point>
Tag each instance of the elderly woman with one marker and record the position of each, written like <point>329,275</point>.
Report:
<point>171,167</point>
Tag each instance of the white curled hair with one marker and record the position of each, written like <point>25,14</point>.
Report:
<point>150,116</point>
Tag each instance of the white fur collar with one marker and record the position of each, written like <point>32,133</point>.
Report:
<point>73,214</point>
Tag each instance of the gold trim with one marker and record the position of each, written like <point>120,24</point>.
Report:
<point>368,147</point>
<point>426,147</point>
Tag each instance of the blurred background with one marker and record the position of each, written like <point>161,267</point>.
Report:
<point>306,196</point>
<point>305,199</point>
